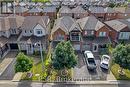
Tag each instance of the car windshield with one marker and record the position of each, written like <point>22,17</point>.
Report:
<point>91,60</point>
<point>105,64</point>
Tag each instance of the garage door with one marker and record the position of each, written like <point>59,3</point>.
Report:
<point>77,47</point>
<point>13,46</point>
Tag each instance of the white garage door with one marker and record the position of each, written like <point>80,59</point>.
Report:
<point>77,47</point>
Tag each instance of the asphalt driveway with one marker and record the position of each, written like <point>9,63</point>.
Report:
<point>80,72</point>
<point>9,72</point>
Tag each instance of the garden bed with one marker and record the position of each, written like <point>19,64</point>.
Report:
<point>115,68</point>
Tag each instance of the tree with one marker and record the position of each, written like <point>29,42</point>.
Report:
<point>64,56</point>
<point>23,63</point>
<point>112,5</point>
<point>121,55</point>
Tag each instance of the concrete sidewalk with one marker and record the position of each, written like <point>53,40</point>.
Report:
<point>7,61</point>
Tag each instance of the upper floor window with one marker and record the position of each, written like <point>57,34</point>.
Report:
<point>102,34</point>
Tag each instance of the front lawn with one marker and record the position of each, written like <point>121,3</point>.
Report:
<point>115,68</point>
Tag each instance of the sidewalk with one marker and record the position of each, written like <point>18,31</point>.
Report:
<point>7,61</point>
<point>111,77</point>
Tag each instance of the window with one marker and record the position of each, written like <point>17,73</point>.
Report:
<point>39,31</point>
<point>124,35</point>
<point>30,31</point>
<point>102,34</point>
<point>25,31</point>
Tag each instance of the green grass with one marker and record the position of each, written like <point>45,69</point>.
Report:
<point>115,68</point>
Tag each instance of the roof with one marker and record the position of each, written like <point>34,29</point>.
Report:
<point>33,39</point>
<point>31,21</point>
<point>20,9</point>
<point>10,22</point>
<point>122,9</point>
<point>35,10</point>
<point>3,41</point>
<point>101,10</point>
<point>90,23</point>
<point>49,9</point>
<point>96,9</point>
<point>116,25</point>
<point>65,9</point>
<point>78,9</point>
<point>109,10</point>
<point>65,23</point>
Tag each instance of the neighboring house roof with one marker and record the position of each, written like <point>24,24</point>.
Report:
<point>101,10</point>
<point>31,21</point>
<point>49,9</point>
<point>78,9</point>
<point>35,10</point>
<point>22,4</point>
<point>116,25</point>
<point>90,23</point>
<point>65,23</point>
<point>109,10</point>
<point>96,9</point>
<point>65,9</point>
<point>126,21</point>
<point>19,9</point>
<point>10,22</point>
<point>122,9</point>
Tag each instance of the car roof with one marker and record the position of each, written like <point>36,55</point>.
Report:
<point>89,54</point>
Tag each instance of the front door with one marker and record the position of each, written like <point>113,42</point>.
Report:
<point>95,47</point>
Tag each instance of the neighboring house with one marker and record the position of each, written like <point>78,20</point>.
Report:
<point>64,11</point>
<point>9,32</point>
<point>98,12</point>
<point>35,11</point>
<point>95,34</point>
<point>66,28</point>
<point>35,32</point>
<point>123,12</point>
<point>111,14</point>
<point>50,11</point>
<point>103,14</point>
<point>79,12</point>
<point>120,30</point>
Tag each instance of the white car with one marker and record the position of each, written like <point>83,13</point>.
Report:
<point>90,60</point>
<point>105,62</point>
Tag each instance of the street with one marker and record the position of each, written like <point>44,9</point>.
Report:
<point>30,84</point>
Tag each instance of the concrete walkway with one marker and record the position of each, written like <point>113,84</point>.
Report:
<point>7,61</point>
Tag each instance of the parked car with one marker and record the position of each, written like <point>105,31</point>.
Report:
<point>105,62</point>
<point>90,60</point>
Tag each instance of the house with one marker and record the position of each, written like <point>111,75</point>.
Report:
<point>34,34</point>
<point>79,12</point>
<point>103,14</point>
<point>66,28</point>
<point>95,34</point>
<point>98,12</point>
<point>9,32</point>
<point>123,12</point>
<point>120,30</point>
<point>111,14</point>
<point>50,11</point>
<point>64,11</point>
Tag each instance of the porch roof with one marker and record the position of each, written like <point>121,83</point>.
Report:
<point>33,39</point>
<point>3,41</point>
